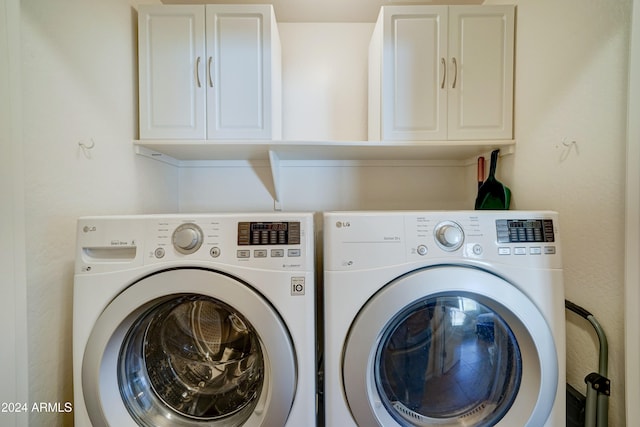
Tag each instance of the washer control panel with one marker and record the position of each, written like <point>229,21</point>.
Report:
<point>271,240</point>
<point>228,239</point>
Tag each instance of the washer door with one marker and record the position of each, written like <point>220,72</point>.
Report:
<point>189,347</point>
<point>450,346</point>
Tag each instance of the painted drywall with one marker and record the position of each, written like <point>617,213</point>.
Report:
<point>571,85</point>
<point>13,295</point>
<point>78,86</point>
<point>632,270</point>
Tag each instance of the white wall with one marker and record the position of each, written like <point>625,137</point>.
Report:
<point>79,85</point>
<point>571,82</point>
<point>632,279</point>
<point>13,295</point>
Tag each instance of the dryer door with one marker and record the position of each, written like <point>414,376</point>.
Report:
<point>189,347</point>
<point>450,346</point>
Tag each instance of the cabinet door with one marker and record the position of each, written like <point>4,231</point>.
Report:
<point>239,72</point>
<point>171,71</point>
<point>480,79</point>
<point>414,96</point>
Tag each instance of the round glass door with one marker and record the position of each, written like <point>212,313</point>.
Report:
<point>194,355</point>
<point>189,347</point>
<point>448,357</point>
<point>450,346</point>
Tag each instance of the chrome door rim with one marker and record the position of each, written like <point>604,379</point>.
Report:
<point>100,362</point>
<point>540,366</point>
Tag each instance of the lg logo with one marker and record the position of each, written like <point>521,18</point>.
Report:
<point>343,224</point>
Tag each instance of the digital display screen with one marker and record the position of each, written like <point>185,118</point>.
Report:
<point>525,231</point>
<point>268,233</point>
<point>277,226</point>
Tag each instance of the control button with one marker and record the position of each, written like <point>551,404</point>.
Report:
<point>260,253</point>
<point>547,225</point>
<point>422,250</point>
<point>214,252</point>
<point>294,233</point>
<point>244,233</point>
<point>449,235</point>
<point>549,250</point>
<point>244,253</point>
<point>504,251</point>
<point>503,236</point>
<point>535,250</point>
<point>477,249</point>
<point>502,230</point>
<point>294,252</point>
<point>159,253</point>
<point>277,253</point>
<point>187,238</point>
<point>520,251</point>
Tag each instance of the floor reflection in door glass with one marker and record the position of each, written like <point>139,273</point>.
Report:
<point>448,357</point>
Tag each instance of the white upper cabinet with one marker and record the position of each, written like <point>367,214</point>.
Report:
<point>442,73</point>
<point>481,52</point>
<point>209,72</point>
<point>171,49</point>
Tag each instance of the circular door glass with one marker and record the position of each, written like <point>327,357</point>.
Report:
<point>193,356</point>
<point>446,358</point>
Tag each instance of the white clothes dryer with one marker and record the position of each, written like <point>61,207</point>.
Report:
<point>195,320</point>
<point>443,319</point>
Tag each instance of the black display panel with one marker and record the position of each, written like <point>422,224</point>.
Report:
<point>525,230</point>
<point>268,233</point>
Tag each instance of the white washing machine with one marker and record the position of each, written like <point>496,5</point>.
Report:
<point>443,319</point>
<point>195,320</point>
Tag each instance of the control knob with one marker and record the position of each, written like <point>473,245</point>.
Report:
<point>187,238</point>
<point>449,235</point>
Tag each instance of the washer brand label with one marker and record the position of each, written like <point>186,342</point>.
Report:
<point>122,243</point>
<point>343,224</point>
<point>297,286</point>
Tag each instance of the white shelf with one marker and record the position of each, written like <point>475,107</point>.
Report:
<point>183,153</point>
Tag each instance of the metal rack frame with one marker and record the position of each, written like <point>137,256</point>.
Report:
<point>598,385</point>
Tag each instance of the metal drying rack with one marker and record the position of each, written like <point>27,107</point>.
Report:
<point>596,403</point>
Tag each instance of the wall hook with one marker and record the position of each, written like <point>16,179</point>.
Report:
<point>87,147</point>
<point>567,146</point>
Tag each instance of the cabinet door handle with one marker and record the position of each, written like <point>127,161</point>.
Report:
<point>198,71</point>
<point>455,73</point>
<point>209,63</point>
<point>444,72</point>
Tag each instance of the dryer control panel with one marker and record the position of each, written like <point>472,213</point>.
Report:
<point>525,230</point>
<point>362,240</point>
